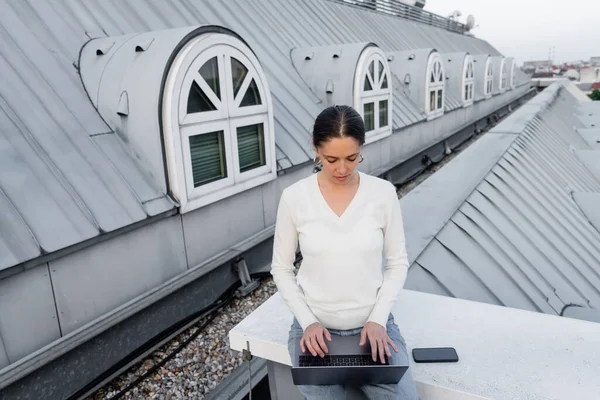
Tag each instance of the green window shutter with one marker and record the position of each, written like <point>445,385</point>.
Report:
<point>207,152</point>
<point>251,146</point>
<point>369,112</point>
<point>383,113</point>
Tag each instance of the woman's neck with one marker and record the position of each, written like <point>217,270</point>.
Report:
<point>328,184</point>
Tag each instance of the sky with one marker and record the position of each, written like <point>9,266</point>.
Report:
<point>527,29</point>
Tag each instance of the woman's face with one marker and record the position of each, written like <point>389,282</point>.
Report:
<point>340,157</point>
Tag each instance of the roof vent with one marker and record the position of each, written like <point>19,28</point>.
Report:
<point>390,58</point>
<point>337,53</point>
<point>101,51</point>
<point>411,57</point>
<point>143,46</point>
<point>407,79</point>
<point>329,87</point>
<point>123,107</point>
<point>309,56</point>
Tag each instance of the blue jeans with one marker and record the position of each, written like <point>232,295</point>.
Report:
<point>404,390</point>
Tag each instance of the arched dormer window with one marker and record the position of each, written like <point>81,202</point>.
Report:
<point>503,76</point>
<point>219,121</point>
<point>468,81</point>
<point>373,93</point>
<point>434,101</point>
<point>489,78</point>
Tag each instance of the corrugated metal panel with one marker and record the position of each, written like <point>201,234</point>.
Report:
<point>405,111</point>
<point>520,239</point>
<point>61,183</point>
<point>451,101</point>
<point>57,187</point>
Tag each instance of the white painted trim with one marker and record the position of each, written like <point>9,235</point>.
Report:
<point>489,77</point>
<point>513,74</point>
<point>468,80</point>
<point>439,83</point>
<point>195,65</point>
<point>502,76</point>
<point>188,131</point>
<point>373,54</point>
<point>178,126</point>
<point>265,169</point>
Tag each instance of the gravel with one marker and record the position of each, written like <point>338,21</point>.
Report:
<point>203,364</point>
<point>200,366</point>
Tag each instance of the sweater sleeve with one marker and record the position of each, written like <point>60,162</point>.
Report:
<point>282,267</point>
<point>396,266</point>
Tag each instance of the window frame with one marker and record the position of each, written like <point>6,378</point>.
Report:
<point>209,127</point>
<point>241,177</point>
<point>435,58</point>
<point>489,79</point>
<point>376,94</point>
<point>178,126</point>
<point>468,82</point>
<point>503,76</point>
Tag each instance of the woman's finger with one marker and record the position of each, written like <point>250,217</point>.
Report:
<point>380,345</point>
<point>302,345</point>
<point>327,334</point>
<point>363,337</point>
<point>310,347</point>
<point>315,344</point>
<point>322,342</point>
<point>373,347</point>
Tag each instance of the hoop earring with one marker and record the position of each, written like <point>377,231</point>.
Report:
<point>317,161</point>
<point>361,159</point>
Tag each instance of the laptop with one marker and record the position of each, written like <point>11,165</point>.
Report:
<point>346,363</point>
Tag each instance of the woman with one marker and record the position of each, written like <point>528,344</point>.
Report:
<point>345,222</point>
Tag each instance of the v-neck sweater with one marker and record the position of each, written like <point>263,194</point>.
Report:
<point>353,265</point>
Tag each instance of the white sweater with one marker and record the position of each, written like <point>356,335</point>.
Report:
<point>353,266</point>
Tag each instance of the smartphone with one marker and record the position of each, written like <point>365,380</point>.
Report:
<point>435,355</point>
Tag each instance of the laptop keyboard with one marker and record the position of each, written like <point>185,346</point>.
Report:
<point>338,361</point>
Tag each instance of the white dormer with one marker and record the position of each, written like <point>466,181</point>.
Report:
<point>423,76</point>
<point>373,93</point>
<point>460,77</point>
<point>350,73</point>
<point>204,91</point>
<point>434,86</point>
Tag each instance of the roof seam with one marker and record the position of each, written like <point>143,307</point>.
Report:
<point>52,167</point>
<point>18,214</point>
<point>101,133</point>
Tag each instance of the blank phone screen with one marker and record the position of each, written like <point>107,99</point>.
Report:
<point>436,354</point>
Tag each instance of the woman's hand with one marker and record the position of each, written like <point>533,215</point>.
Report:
<point>313,340</point>
<point>379,339</point>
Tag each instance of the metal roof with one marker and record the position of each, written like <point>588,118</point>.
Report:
<point>66,177</point>
<point>519,238</point>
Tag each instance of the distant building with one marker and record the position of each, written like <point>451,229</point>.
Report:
<point>537,64</point>
<point>589,75</point>
<point>572,74</point>
<point>595,61</point>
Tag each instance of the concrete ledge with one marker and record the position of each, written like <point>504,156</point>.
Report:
<point>591,136</point>
<point>504,353</point>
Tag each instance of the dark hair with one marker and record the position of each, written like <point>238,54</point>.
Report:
<point>338,122</point>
